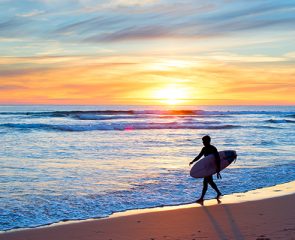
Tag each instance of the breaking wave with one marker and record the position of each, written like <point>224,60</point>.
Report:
<point>280,121</point>
<point>96,113</point>
<point>114,126</point>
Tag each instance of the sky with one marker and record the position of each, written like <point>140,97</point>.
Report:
<point>147,52</point>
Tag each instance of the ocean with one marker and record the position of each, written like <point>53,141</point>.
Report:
<point>62,163</point>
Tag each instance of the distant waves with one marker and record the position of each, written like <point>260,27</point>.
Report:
<point>114,126</point>
<point>142,112</point>
<point>120,120</point>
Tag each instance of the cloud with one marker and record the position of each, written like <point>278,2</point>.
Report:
<point>242,9</point>
<point>186,23</point>
<point>230,57</point>
<point>134,33</point>
<point>21,72</point>
<point>6,87</point>
<point>33,13</point>
<point>51,69</point>
<point>6,25</point>
<point>131,2</point>
<point>16,27</point>
<point>241,25</point>
<point>262,88</point>
<point>93,22</point>
<point>290,55</point>
<point>83,26</point>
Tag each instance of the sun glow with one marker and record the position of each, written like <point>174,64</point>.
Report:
<point>171,95</point>
<point>167,65</point>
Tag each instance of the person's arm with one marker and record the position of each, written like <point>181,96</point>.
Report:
<point>198,157</point>
<point>218,163</point>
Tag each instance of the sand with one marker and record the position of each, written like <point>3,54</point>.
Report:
<point>261,214</point>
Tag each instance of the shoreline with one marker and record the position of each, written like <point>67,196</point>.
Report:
<point>277,193</point>
<point>239,197</point>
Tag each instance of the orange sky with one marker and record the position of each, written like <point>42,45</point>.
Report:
<point>142,62</point>
<point>137,80</point>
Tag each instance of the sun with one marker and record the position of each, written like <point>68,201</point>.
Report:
<point>171,95</point>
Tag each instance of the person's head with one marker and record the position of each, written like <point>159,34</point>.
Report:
<point>206,140</point>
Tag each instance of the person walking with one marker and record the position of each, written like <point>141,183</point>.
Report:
<point>207,150</point>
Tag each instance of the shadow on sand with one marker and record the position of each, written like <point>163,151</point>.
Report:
<point>218,227</point>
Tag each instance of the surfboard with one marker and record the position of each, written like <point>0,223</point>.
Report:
<point>207,166</point>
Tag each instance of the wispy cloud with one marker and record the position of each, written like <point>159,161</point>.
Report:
<point>185,21</point>
<point>10,87</point>
<point>10,24</point>
<point>33,13</point>
<point>145,20</point>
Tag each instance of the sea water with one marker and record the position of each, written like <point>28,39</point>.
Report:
<point>77,162</point>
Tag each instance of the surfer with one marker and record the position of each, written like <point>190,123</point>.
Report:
<point>207,150</point>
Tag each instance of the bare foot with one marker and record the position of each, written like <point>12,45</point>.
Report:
<point>200,201</point>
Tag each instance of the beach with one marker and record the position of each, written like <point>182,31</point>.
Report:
<point>260,214</point>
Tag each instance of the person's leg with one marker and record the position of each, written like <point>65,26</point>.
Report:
<point>205,187</point>
<point>214,186</point>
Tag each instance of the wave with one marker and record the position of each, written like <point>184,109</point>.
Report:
<point>280,121</point>
<point>68,113</point>
<point>266,127</point>
<point>24,126</point>
<point>89,116</point>
<point>113,126</point>
<point>97,113</point>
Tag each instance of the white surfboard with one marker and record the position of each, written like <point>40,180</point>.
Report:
<point>207,165</point>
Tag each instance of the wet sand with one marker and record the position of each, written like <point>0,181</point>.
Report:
<point>261,214</point>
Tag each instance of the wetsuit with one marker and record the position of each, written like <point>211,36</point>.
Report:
<point>207,150</point>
